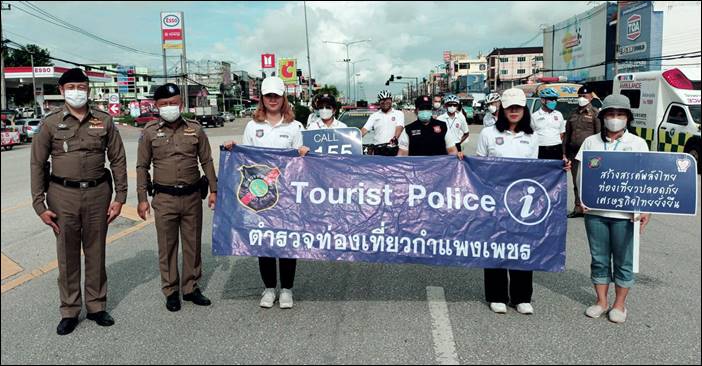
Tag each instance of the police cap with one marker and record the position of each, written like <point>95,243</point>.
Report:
<point>74,75</point>
<point>166,91</point>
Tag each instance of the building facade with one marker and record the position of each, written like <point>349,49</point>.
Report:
<point>508,67</point>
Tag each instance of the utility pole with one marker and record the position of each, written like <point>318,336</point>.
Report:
<point>309,63</point>
<point>348,60</point>
<point>2,62</point>
<point>185,67</point>
<point>34,83</point>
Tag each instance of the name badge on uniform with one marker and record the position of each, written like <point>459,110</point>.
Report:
<point>259,133</point>
<point>160,134</point>
<point>523,142</point>
<point>437,129</point>
<point>65,146</point>
<point>499,140</point>
<point>96,123</point>
<point>416,132</point>
<point>62,126</point>
<point>284,136</point>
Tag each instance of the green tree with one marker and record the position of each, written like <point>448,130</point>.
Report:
<point>17,57</point>
<point>329,89</point>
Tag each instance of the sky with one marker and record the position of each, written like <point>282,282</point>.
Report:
<point>407,38</point>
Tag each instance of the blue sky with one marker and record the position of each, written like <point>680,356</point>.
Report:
<point>408,38</point>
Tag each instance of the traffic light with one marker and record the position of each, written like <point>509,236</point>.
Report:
<point>392,78</point>
<point>299,72</point>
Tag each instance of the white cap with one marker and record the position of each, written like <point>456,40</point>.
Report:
<point>512,97</point>
<point>274,85</point>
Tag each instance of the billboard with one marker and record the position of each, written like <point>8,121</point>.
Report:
<point>640,36</point>
<point>577,42</point>
<point>287,70</point>
<point>267,61</point>
<point>172,26</point>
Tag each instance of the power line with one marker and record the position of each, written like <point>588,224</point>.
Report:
<point>49,18</point>
<point>50,47</point>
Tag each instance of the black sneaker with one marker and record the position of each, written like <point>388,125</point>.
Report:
<point>197,298</point>
<point>66,326</point>
<point>102,318</point>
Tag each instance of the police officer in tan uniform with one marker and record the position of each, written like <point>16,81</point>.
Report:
<point>174,145</point>
<point>581,124</point>
<point>77,190</point>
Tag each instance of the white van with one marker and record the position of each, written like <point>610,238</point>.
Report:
<point>666,109</point>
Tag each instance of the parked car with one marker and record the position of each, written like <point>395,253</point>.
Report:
<point>27,128</point>
<point>228,117</point>
<point>10,138</point>
<point>211,121</point>
<point>145,118</point>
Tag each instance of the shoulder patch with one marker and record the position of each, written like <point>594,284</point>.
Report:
<point>192,121</point>
<point>151,124</point>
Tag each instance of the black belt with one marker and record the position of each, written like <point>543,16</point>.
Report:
<point>79,184</point>
<point>177,190</point>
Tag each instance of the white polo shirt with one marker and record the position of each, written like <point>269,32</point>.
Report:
<point>489,120</point>
<point>457,126</point>
<point>548,127</point>
<point>283,135</point>
<point>627,142</point>
<point>507,144</point>
<point>318,124</point>
<point>384,125</point>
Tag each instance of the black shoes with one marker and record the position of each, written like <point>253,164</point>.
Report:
<point>173,302</point>
<point>575,214</point>
<point>102,318</point>
<point>197,298</point>
<point>66,326</point>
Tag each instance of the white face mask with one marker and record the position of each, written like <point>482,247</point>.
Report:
<point>75,98</point>
<point>492,109</point>
<point>582,101</point>
<point>615,124</point>
<point>451,109</point>
<point>326,113</point>
<point>169,113</point>
<point>437,105</point>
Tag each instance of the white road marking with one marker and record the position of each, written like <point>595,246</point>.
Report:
<point>441,331</point>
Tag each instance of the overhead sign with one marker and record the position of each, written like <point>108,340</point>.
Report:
<point>113,109</point>
<point>268,61</point>
<point>272,203</point>
<point>287,70</point>
<point>345,141</point>
<point>172,26</point>
<point>640,37</point>
<point>655,182</point>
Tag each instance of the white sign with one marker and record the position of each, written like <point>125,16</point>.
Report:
<point>113,98</point>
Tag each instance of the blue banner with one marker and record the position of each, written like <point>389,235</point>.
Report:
<point>345,141</point>
<point>656,182</point>
<point>479,212</point>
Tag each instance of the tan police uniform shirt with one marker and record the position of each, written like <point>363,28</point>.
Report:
<point>174,151</point>
<point>77,150</point>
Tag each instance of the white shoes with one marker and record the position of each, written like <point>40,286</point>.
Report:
<point>595,311</point>
<point>617,316</point>
<point>525,308</point>
<point>498,307</point>
<point>268,298</point>
<point>286,299</point>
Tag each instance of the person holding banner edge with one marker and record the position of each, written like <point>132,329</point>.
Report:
<point>427,136</point>
<point>512,136</point>
<point>325,104</point>
<point>610,234</point>
<point>274,125</point>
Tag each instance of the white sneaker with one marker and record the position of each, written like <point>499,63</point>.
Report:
<point>525,308</point>
<point>268,298</point>
<point>595,311</point>
<point>498,307</point>
<point>617,316</point>
<point>286,299</point>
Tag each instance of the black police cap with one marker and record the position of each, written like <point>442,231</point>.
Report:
<point>423,102</point>
<point>326,97</point>
<point>584,90</point>
<point>75,75</point>
<point>166,91</point>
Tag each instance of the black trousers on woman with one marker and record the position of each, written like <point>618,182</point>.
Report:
<point>503,285</point>
<point>269,272</point>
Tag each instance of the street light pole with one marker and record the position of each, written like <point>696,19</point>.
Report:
<point>348,60</point>
<point>354,77</point>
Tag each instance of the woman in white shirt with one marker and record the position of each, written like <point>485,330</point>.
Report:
<point>274,125</point>
<point>326,106</point>
<point>511,137</point>
<point>610,234</point>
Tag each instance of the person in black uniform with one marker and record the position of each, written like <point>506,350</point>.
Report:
<point>427,136</point>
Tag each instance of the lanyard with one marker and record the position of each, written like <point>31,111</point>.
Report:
<point>615,145</point>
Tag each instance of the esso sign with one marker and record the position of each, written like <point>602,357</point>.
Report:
<point>171,21</point>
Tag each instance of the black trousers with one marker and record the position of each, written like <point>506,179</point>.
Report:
<point>499,287</point>
<point>269,274</point>
<point>554,152</point>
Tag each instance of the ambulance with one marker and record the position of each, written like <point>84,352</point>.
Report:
<point>666,109</point>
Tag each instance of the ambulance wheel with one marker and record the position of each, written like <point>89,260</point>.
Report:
<point>695,152</point>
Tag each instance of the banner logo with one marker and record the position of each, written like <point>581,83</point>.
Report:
<point>527,201</point>
<point>258,189</point>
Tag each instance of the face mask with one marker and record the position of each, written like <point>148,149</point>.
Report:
<point>326,113</point>
<point>551,104</point>
<point>437,105</point>
<point>76,98</point>
<point>169,113</point>
<point>615,124</point>
<point>492,109</point>
<point>424,116</point>
<point>451,109</point>
<point>582,101</point>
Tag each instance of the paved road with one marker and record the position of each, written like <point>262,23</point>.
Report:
<point>344,312</point>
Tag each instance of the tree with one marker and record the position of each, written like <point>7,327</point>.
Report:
<point>17,57</point>
<point>329,89</point>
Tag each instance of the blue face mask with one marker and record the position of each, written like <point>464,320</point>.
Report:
<point>424,116</point>
<point>551,104</point>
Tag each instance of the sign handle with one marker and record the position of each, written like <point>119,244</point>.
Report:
<point>637,240</point>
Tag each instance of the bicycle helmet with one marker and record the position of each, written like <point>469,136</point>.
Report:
<point>384,94</point>
<point>451,99</point>
<point>492,97</point>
